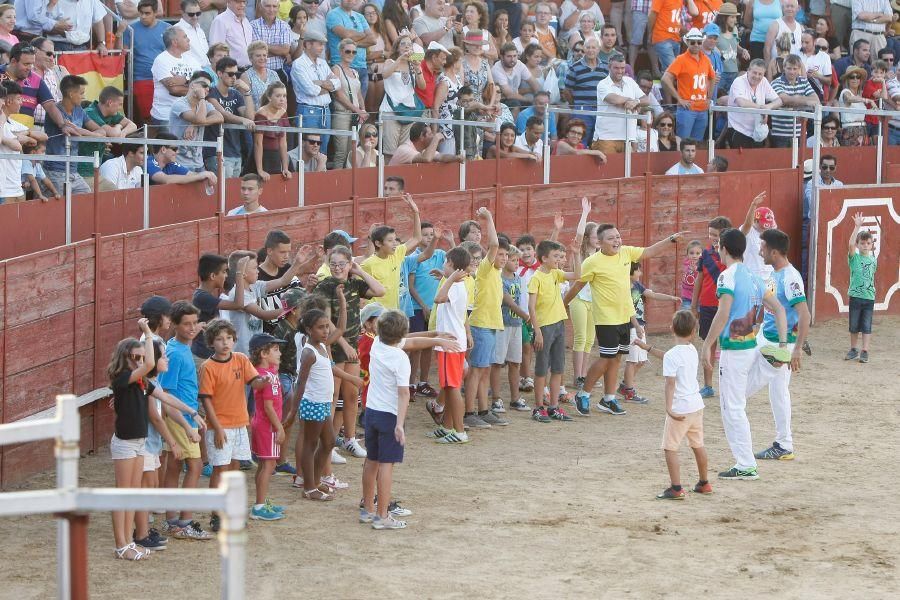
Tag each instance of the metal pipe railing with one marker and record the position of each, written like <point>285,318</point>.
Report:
<point>147,141</point>
<point>594,113</point>
<point>462,124</point>
<point>68,502</point>
<point>68,159</point>
<point>793,114</point>
<point>353,134</point>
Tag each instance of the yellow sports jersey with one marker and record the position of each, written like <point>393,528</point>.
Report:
<point>469,281</point>
<point>549,305</point>
<point>488,311</point>
<point>387,272</point>
<point>610,281</point>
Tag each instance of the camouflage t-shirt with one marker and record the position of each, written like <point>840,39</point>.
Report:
<point>354,290</point>
<point>285,331</point>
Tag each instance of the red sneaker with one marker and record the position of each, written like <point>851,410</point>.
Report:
<point>426,391</point>
<point>706,488</point>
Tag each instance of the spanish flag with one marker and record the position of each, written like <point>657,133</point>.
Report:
<point>98,70</point>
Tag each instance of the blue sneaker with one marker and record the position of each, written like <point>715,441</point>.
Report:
<point>264,513</point>
<point>286,468</point>
<point>207,470</point>
<point>246,465</point>
<point>582,404</point>
<point>707,392</point>
<point>277,508</point>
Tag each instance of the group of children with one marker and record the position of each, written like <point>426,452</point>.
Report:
<point>256,349</point>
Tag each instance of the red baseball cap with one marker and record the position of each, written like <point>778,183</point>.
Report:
<point>765,217</point>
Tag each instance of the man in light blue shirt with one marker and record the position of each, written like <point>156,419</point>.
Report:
<point>342,23</point>
<point>32,18</point>
<point>313,83</point>
<point>541,101</point>
<point>686,166</point>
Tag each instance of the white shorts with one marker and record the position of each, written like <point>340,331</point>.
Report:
<point>124,449</point>
<point>508,345</point>
<point>636,354</point>
<point>151,462</point>
<point>236,446</point>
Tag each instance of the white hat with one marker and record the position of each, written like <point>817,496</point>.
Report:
<point>808,167</point>
<point>693,34</point>
<point>436,46</point>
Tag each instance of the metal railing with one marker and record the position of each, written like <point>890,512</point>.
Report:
<point>793,114</point>
<point>461,123</point>
<point>642,116</point>
<point>147,142</point>
<point>353,134</point>
<point>68,159</point>
<point>68,503</point>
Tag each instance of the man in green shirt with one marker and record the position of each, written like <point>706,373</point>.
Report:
<point>106,112</point>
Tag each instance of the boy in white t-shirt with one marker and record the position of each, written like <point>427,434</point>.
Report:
<point>684,405</point>
<point>386,405</point>
<point>451,308</point>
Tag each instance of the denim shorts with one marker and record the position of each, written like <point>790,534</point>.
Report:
<point>861,315</point>
<point>381,445</point>
<point>482,353</point>
<point>287,386</point>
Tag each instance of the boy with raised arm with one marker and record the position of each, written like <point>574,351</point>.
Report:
<point>863,264</point>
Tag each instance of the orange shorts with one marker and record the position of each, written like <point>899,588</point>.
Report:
<point>450,368</point>
<point>691,428</point>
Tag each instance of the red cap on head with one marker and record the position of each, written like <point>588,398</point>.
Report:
<point>765,217</point>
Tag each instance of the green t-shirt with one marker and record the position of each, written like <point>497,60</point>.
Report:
<point>88,148</point>
<point>862,275</point>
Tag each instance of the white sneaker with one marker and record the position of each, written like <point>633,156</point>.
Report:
<point>337,459</point>
<point>334,482</point>
<point>497,406</point>
<point>352,446</point>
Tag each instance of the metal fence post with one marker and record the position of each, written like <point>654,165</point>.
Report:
<point>233,537</point>
<point>546,148</point>
<point>146,220</point>
<point>711,146</point>
<point>68,190</point>
<point>462,151</point>
<point>380,156</point>
<point>813,251</point>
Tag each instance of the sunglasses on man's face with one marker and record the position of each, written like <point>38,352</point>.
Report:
<point>349,51</point>
<point>829,128</point>
<point>314,142</point>
<point>694,43</point>
<point>193,14</point>
<point>822,48</point>
<point>828,167</point>
<point>230,73</point>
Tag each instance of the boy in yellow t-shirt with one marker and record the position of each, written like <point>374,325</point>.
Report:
<point>548,315</point>
<point>484,323</point>
<point>384,265</point>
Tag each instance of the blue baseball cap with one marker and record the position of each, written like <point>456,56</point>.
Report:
<point>712,30</point>
<point>345,234</point>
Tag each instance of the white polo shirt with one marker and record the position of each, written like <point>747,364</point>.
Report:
<point>537,148</point>
<point>115,171</point>
<point>616,129</point>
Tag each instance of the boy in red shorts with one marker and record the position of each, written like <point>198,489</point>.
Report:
<point>451,301</point>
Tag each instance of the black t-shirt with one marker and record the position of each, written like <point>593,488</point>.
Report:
<point>130,401</point>
<point>272,300</point>
<point>209,310</point>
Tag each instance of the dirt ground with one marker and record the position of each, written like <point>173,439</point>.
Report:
<point>566,510</point>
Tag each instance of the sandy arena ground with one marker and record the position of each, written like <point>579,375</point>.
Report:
<point>566,510</point>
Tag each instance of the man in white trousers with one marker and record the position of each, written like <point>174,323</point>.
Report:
<point>742,296</point>
<point>787,285</point>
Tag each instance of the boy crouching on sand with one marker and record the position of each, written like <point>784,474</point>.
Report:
<point>684,406</point>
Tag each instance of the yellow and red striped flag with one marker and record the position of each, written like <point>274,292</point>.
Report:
<point>100,71</point>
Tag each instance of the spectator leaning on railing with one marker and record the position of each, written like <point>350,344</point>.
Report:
<point>189,117</point>
<point>171,70</point>
<point>162,168</point>
<point>106,112</point>
<point>617,94</point>
<point>125,171</point>
<point>232,98</point>
<point>313,84</point>
<point>77,123</point>
<point>34,91</point>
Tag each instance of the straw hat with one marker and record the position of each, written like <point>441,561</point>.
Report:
<point>728,9</point>
<point>854,69</point>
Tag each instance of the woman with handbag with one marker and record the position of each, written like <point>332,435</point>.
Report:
<point>347,108</point>
<point>401,73</point>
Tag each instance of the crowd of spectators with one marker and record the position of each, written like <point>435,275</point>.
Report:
<point>337,64</point>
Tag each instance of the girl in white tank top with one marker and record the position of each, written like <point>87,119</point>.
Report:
<point>315,388</point>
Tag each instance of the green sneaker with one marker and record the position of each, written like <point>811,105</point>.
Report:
<point>740,474</point>
<point>776,356</point>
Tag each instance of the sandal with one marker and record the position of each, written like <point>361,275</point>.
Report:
<point>317,494</point>
<point>136,554</point>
